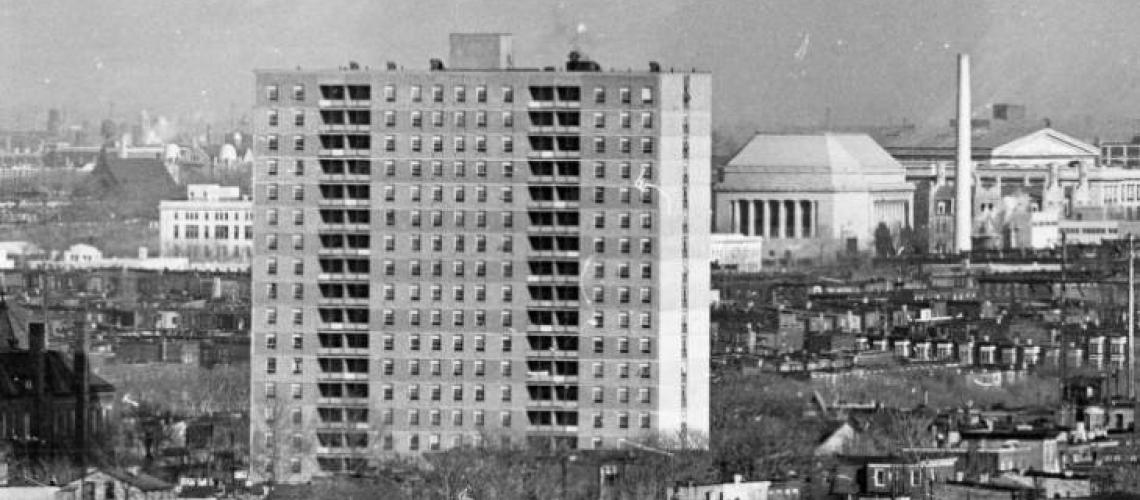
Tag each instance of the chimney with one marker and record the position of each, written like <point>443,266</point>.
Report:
<point>963,200</point>
<point>81,389</point>
<point>37,345</point>
<point>738,478</point>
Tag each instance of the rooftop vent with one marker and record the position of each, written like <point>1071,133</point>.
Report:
<point>391,65</point>
<point>436,64</point>
<point>353,65</point>
<point>654,67</point>
<point>576,61</point>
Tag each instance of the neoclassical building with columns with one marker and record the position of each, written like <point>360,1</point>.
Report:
<point>812,196</point>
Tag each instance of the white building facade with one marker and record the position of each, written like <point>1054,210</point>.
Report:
<point>214,224</point>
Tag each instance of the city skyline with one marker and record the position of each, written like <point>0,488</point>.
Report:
<point>779,64</point>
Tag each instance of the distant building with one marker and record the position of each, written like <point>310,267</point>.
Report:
<point>138,184</point>
<point>738,489</point>
<point>39,390</point>
<point>737,252</point>
<point>213,224</point>
<point>82,254</point>
<point>108,484</point>
<point>811,196</point>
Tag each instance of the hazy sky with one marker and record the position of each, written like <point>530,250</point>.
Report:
<point>775,62</point>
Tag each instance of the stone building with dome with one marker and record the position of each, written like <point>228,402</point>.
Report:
<point>812,197</point>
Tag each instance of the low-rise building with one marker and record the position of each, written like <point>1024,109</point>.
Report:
<point>214,223</point>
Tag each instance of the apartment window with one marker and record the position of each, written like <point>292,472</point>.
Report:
<point>623,394</point>
<point>646,221</point>
<point>272,117</point>
<point>646,246</point>
<point>647,120</point>
<point>647,145</point>
<point>508,119</point>
<point>623,370</point>
<point>270,240</point>
<point>437,118</point>
<point>644,418</point>
<point>599,245</point>
<point>270,390</point>
<point>417,93</point>
<point>646,196</point>
<point>272,93</point>
<point>508,144</point>
<point>599,120</point>
<point>624,145</point>
<point>271,142</point>
<point>271,266</point>
<point>481,144</point>
<point>646,271</point>
<point>507,319</point>
<point>298,291</point>
<point>460,119</point>
<point>646,295</point>
<point>271,166</point>
<point>417,119</point>
<point>480,392</point>
<point>599,221</point>
<point>645,346</point>
<point>437,144</point>
<point>599,270</point>
<point>623,420</point>
<point>599,345</point>
<point>599,95</point>
<point>390,143</point>
<point>460,94</point>
<point>389,118</point>
<point>625,120</point>
<point>270,341</point>
<point>599,294</point>
<point>508,94</point>
<point>298,92</point>
<point>599,195</point>
<point>481,94</point>
<point>480,368</point>
<point>624,95</point>
<point>298,143</point>
<point>299,118</point>
<point>599,145</point>
<point>599,320</point>
<point>598,370</point>
<point>298,242</point>
<point>298,193</point>
<point>271,192</point>
<point>647,95</point>
<point>643,370</point>
<point>599,169</point>
<point>598,395</point>
<point>298,267</point>
<point>437,93</point>
<point>390,93</point>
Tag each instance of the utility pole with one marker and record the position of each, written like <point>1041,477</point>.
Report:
<point>1131,318</point>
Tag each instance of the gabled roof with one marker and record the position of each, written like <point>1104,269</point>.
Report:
<point>1014,140</point>
<point>817,162</point>
<point>141,181</point>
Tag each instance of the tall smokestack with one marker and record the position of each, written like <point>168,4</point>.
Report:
<point>963,219</point>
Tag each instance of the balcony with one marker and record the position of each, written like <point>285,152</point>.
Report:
<point>553,278</point>
<point>344,152</point>
<point>564,179</point>
<point>572,254</point>
<point>554,154</point>
<point>343,301</point>
<point>345,251</point>
<point>343,350</point>
<point>540,104</point>
<point>549,354</point>
<point>552,403</point>
<point>553,229</point>
<point>343,226</point>
<point>344,103</point>
<point>345,127</point>
<point>547,377</point>
<point>344,425</point>
<point>341,376</point>
<point>553,204</point>
<point>555,129</point>
<point>346,177</point>
<point>343,327</point>
<point>350,401</point>
<point>338,277</point>
<point>564,304</point>
<point>552,429</point>
<point>552,329</point>
<point>344,202</point>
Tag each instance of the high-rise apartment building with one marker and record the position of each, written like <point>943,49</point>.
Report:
<point>477,254</point>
